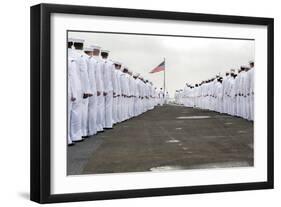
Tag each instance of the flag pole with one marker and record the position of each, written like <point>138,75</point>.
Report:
<point>165,79</point>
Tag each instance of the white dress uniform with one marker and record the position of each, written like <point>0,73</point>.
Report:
<point>100,97</point>
<point>136,97</point>
<point>205,95</point>
<point>189,96</point>
<point>161,95</point>
<point>251,93</point>
<point>238,92</point>
<point>82,59</point>
<point>69,95</point>
<point>244,94</point>
<point>108,69</point>
<point>213,91</point>
<point>148,88</point>
<point>146,94</point>
<point>92,111</point>
<point>140,95</point>
<point>230,99</point>
<point>154,95</point>
<point>131,95</point>
<point>232,95</point>
<point>75,107</point>
<point>127,99</point>
<point>226,95</point>
<point>196,96</point>
<point>167,98</point>
<point>187,93</point>
<point>225,84</point>
<point>247,96</point>
<point>119,98</point>
<point>124,90</point>
<point>219,97</point>
<point>115,96</point>
<point>199,96</point>
<point>241,94</point>
<point>143,94</point>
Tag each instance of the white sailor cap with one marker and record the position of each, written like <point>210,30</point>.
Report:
<point>116,62</point>
<point>136,74</point>
<point>76,40</point>
<point>95,47</point>
<point>251,62</point>
<point>88,49</point>
<point>232,70</point>
<point>105,51</point>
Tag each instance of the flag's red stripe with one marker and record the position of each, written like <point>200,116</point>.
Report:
<point>157,69</point>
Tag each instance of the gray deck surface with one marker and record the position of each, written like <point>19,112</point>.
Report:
<point>170,137</point>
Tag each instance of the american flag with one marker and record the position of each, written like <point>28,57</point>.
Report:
<point>160,67</point>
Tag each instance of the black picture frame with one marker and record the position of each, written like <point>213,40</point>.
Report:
<point>41,102</point>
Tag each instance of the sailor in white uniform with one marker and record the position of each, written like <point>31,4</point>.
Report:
<point>137,94</point>
<point>118,94</point>
<point>161,96</point>
<point>132,89</point>
<point>219,95</point>
<point>231,93</point>
<point>74,97</point>
<point>82,59</point>
<point>225,85</point>
<point>108,69</point>
<point>99,88</point>
<point>124,83</point>
<point>241,92</point>
<point>167,97</point>
<point>92,106</point>
<point>251,74</point>
<point>69,100</point>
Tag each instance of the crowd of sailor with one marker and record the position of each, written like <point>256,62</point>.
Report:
<point>102,92</point>
<point>232,94</point>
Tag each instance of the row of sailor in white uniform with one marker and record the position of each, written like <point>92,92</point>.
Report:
<point>101,92</point>
<point>232,94</point>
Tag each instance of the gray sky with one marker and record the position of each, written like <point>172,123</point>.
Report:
<point>187,59</point>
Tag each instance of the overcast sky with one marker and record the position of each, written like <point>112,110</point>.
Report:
<point>188,59</point>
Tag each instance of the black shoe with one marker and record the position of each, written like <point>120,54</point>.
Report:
<point>81,140</point>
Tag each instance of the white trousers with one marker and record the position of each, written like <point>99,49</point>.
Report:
<point>75,121</point>
<point>84,125</point>
<point>69,106</point>
<point>115,110</point>
<point>136,106</point>
<point>108,109</point>
<point>100,114</point>
<point>252,104</point>
<point>119,108</point>
<point>131,107</point>
<point>92,115</point>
